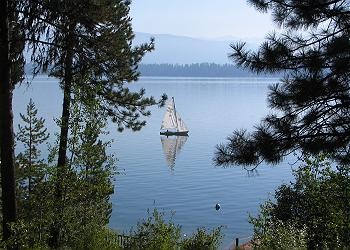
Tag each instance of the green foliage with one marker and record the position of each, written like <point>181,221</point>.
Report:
<point>91,50</point>
<point>282,236</point>
<point>32,189</point>
<point>96,238</point>
<point>87,180</point>
<point>88,46</point>
<point>315,207</point>
<point>32,134</point>
<point>85,209</point>
<point>311,101</point>
<point>276,234</point>
<point>203,240</point>
<point>156,233</point>
<point>103,238</point>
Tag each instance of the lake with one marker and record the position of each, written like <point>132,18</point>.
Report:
<point>189,184</point>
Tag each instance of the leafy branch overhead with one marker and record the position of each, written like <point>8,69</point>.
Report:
<point>97,44</point>
<point>312,100</point>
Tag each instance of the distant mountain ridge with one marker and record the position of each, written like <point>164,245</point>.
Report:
<point>185,56</point>
<point>174,49</point>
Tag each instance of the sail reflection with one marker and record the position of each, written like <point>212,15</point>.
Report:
<point>172,146</point>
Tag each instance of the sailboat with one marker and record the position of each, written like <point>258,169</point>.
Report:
<point>172,123</point>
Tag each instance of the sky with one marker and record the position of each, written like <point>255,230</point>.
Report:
<point>210,19</point>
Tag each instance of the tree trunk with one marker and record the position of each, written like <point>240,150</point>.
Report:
<point>62,150</point>
<point>30,158</point>
<point>6,126</point>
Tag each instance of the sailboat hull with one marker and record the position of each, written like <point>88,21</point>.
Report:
<point>169,133</point>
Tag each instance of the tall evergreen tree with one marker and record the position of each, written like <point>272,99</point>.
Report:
<point>313,98</point>
<point>31,173</point>
<point>91,49</point>
<point>89,185</point>
<point>32,134</point>
<point>11,71</point>
<point>20,21</point>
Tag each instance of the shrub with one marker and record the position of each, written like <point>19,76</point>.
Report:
<point>271,234</point>
<point>203,240</point>
<point>155,233</point>
<point>315,208</point>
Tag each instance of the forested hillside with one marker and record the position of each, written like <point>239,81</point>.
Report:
<point>195,69</point>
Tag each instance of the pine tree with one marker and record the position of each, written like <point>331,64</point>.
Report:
<point>312,100</point>
<point>87,182</point>
<point>32,134</point>
<point>31,174</point>
<point>88,179</point>
<point>21,21</point>
<point>87,44</point>
<point>11,72</point>
<point>92,51</point>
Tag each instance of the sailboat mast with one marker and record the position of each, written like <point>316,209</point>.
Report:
<point>177,125</point>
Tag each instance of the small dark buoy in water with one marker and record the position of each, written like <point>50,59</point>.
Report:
<point>217,206</point>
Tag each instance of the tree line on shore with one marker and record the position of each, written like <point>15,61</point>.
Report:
<point>193,70</point>
<point>187,70</point>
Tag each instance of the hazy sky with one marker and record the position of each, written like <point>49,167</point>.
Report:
<point>200,18</point>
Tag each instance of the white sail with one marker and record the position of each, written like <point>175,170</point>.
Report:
<point>171,147</point>
<point>180,124</point>
<point>172,120</point>
<point>169,121</point>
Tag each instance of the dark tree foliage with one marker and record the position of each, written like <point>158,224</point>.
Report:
<point>89,45</point>
<point>84,217</point>
<point>11,71</point>
<point>88,183</point>
<point>89,48</point>
<point>313,98</point>
<point>317,202</point>
<point>31,172</point>
<point>31,135</point>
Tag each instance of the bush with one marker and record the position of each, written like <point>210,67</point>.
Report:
<point>100,238</point>
<point>203,240</point>
<point>155,233</point>
<point>314,208</point>
<point>270,234</point>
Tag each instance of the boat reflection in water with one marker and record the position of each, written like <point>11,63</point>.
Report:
<point>172,146</point>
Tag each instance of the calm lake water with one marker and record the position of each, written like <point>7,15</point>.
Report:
<point>189,184</point>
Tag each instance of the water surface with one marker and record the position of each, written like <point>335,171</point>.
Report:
<point>211,108</point>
